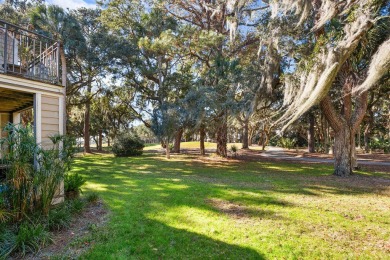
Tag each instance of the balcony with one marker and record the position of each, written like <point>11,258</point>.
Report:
<point>28,55</point>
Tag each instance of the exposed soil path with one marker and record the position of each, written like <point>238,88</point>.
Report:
<point>375,162</point>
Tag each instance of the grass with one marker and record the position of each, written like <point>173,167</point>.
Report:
<point>188,208</point>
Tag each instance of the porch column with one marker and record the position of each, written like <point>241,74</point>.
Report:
<point>38,117</point>
<point>16,118</point>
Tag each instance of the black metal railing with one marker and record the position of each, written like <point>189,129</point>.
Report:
<point>28,54</point>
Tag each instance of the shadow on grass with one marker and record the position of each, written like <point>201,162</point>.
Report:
<point>149,239</point>
<point>281,177</point>
<point>150,197</point>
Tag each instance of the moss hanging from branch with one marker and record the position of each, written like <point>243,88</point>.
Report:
<point>311,83</point>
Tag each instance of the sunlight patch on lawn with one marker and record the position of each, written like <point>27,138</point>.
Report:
<point>200,221</point>
<point>95,186</point>
<point>284,169</point>
<point>170,186</point>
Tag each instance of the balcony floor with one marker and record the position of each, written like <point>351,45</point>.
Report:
<point>11,101</point>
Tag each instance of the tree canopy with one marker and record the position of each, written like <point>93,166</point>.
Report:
<point>243,70</point>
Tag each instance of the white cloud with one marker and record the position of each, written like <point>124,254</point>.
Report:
<point>71,4</point>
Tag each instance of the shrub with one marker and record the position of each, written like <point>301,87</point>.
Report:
<point>33,174</point>
<point>92,197</point>
<point>59,218</point>
<point>380,144</point>
<point>233,149</point>
<point>31,237</point>
<point>5,215</point>
<point>171,147</point>
<point>286,142</point>
<point>127,145</point>
<point>27,238</point>
<point>72,185</point>
<point>7,242</point>
<point>76,206</point>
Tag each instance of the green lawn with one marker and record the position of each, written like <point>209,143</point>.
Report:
<point>186,208</point>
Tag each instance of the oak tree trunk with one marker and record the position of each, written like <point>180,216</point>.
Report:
<point>310,134</point>
<point>100,148</point>
<point>265,139</point>
<point>222,139</point>
<point>245,136</point>
<point>367,139</point>
<point>202,134</point>
<point>345,125</point>
<point>250,137</point>
<point>343,155</point>
<point>178,136</point>
<point>87,146</point>
<point>167,151</point>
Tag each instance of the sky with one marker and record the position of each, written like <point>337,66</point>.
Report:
<point>72,4</point>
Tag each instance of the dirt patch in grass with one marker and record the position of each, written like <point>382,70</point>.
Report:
<point>233,210</point>
<point>238,211</point>
<point>94,215</point>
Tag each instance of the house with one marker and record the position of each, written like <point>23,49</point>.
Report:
<point>30,82</point>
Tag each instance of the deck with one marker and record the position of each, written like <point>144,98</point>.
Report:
<point>26,54</point>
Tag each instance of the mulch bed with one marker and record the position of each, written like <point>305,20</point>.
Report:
<point>94,215</point>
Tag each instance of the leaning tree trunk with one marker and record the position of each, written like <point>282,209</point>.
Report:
<point>202,134</point>
<point>245,137</point>
<point>310,134</point>
<point>179,134</point>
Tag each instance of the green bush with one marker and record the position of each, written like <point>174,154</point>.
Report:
<point>286,142</point>
<point>76,206</point>
<point>127,145</point>
<point>7,242</point>
<point>59,218</point>
<point>92,197</point>
<point>72,185</point>
<point>381,144</point>
<point>233,149</point>
<point>27,238</point>
<point>31,237</point>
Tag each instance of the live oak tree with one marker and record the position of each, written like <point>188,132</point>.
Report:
<point>212,28</point>
<point>150,61</point>
<point>89,67</point>
<point>337,32</point>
